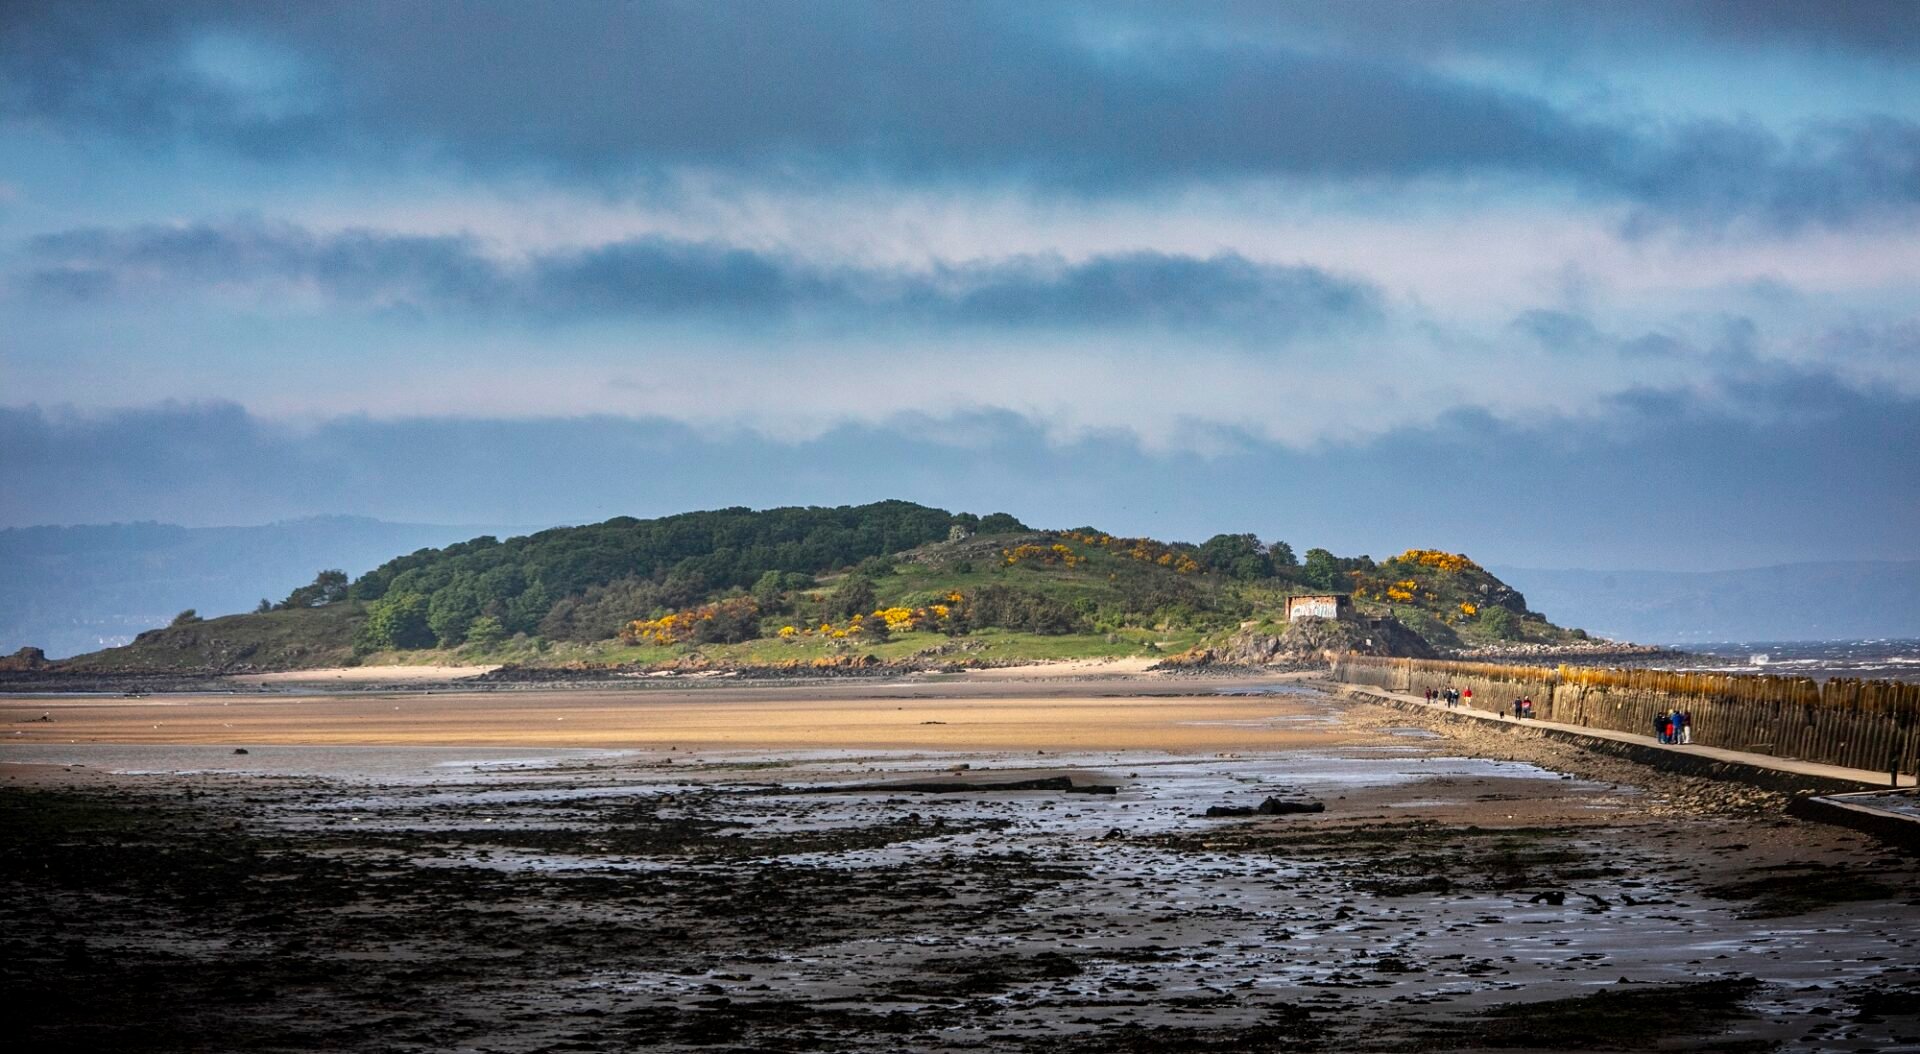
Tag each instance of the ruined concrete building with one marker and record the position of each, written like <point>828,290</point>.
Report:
<point>1322,605</point>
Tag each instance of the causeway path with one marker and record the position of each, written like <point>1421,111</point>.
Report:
<point>1868,779</point>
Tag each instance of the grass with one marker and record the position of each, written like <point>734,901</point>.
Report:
<point>991,645</point>
<point>274,640</point>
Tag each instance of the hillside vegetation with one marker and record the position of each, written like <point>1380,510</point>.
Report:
<point>816,586</point>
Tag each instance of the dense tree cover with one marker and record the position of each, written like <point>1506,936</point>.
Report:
<point>1238,556</point>
<point>397,620</point>
<point>568,576</point>
<point>1323,570</point>
<point>735,574</point>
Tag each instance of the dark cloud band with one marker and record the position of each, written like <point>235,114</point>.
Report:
<point>656,278</point>
<point>956,93</point>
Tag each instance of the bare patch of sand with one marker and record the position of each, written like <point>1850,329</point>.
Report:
<point>1127,667</point>
<point>927,717</point>
<point>365,675</point>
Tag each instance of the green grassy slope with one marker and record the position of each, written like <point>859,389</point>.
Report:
<point>274,640</point>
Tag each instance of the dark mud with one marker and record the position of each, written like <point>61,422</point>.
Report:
<point>1439,903</point>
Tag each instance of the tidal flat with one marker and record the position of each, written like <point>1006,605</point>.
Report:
<point>730,871</point>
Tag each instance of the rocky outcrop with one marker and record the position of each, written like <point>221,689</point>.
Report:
<point>1316,639</point>
<point>1570,650</point>
<point>24,660</point>
<point>1307,641</point>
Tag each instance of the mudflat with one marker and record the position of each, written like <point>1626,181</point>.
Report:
<point>945,866</point>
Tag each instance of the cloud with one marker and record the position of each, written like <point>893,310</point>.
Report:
<point>653,277</point>
<point>1080,100</point>
<point>1558,33</point>
<point>1776,466</point>
<point>1717,172</point>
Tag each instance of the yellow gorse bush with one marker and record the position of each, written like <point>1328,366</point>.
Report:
<point>1055,555</point>
<point>679,626</point>
<point>1145,550</point>
<point>1451,563</point>
<point>930,617</point>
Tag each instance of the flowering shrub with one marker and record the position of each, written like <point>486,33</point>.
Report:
<point>726,620</point>
<point>1145,550</point>
<point>1451,563</point>
<point>1469,608</point>
<point>1055,555</point>
<point>932,617</point>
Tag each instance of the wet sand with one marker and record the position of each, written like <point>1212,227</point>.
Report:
<point>687,871</point>
<point>955,714</point>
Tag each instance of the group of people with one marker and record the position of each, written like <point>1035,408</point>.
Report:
<point>1674,726</point>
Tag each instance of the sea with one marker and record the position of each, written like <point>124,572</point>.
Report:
<point>1885,658</point>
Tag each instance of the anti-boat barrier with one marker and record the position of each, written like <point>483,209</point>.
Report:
<point>1870,725</point>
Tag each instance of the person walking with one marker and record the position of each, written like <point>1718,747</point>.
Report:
<point>1660,725</point>
<point>1686,727</point>
<point>1467,697</point>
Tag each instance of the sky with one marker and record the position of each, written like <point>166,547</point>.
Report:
<point>1557,285</point>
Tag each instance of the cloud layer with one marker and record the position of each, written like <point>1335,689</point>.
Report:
<point>1225,257</point>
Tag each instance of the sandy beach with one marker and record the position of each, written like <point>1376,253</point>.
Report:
<point>968,864</point>
<point>358,675</point>
<point>1058,712</point>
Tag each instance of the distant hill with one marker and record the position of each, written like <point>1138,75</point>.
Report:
<point>800,585</point>
<point>77,589</point>
<point>1811,601</point>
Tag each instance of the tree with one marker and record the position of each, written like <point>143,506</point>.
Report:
<point>1322,569</point>
<point>449,614</point>
<point>1239,556</point>
<point>1282,555</point>
<point>854,596</point>
<point>1000,523</point>
<point>327,587</point>
<point>485,632</point>
<point>1499,623</point>
<point>767,592</point>
<point>397,620</point>
<point>185,618</point>
<point>265,606</point>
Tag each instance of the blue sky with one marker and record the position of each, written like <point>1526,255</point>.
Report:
<point>1564,285</point>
